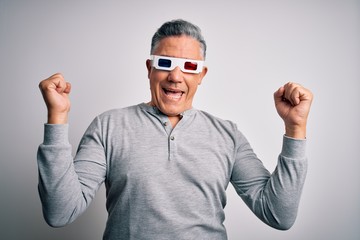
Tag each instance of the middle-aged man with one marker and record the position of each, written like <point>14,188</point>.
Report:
<point>165,164</point>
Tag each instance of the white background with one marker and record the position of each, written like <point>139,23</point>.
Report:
<point>253,48</point>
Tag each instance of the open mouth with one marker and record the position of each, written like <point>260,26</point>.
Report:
<point>173,94</point>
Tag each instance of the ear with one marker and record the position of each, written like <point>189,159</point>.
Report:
<point>148,66</point>
<point>202,74</point>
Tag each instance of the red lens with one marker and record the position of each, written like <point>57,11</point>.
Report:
<point>190,66</point>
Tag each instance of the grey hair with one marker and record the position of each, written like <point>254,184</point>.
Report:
<point>177,28</point>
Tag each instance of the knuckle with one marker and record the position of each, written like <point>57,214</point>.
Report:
<point>43,85</point>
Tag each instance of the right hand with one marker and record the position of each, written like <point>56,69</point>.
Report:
<point>55,91</point>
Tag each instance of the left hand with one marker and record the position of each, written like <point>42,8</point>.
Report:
<point>292,102</point>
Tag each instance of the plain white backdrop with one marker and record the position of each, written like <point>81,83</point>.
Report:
<point>253,48</point>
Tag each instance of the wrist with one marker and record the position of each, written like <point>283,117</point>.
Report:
<point>57,118</point>
<point>295,132</point>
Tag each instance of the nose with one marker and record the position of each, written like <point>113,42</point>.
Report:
<point>175,75</point>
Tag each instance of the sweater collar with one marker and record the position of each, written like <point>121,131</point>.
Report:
<point>154,110</point>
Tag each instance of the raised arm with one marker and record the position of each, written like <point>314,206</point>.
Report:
<point>66,187</point>
<point>275,197</point>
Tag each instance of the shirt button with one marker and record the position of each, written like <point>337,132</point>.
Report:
<point>172,138</point>
<point>165,124</point>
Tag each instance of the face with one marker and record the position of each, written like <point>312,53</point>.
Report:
<point>172,92</point>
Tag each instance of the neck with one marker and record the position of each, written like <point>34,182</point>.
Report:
<point>174,120</point>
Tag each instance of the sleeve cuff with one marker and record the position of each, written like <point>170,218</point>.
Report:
<point>293,148</point>
<point>56,134</point>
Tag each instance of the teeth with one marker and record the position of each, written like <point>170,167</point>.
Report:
<point>173,94</point>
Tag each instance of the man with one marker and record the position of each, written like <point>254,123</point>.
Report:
<point>165,164</point>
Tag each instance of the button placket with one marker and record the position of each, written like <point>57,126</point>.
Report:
<point>172,146</point>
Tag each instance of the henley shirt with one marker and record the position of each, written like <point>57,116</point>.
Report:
<point>163,182</point>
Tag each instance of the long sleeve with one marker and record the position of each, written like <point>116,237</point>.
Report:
<point>165,184</point>
<point>67,186</point>
<point>274,198</point>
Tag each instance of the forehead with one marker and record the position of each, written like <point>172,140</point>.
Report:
<point>179,46</point>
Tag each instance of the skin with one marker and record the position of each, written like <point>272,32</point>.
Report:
<point>185,84</point>
<point>293,102</point>
<point>55,91</point>
<point>172,92</point>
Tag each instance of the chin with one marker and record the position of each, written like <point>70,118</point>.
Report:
<point>172,111</point>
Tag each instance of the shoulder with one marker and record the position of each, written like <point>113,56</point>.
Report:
<point>124,113</point>
<point>225,132</point>
<point>222,126</point>
<point>119,111</point>
<point>118,116</point>
<point>215,120</point>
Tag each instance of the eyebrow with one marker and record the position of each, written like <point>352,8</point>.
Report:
<point>171,56</point>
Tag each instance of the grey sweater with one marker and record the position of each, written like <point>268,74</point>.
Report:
<point>163,182</point>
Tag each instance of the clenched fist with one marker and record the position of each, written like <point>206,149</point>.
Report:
<point>55,91</point>
<point>292,102</point>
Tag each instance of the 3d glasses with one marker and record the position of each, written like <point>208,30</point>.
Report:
<point>169,63</point>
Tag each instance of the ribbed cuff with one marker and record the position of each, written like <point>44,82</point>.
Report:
<point>56,134</point>
<point>293,148</point>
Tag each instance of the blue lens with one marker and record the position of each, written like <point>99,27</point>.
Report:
<point>164,62</point>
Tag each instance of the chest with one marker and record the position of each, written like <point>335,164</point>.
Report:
<point>183,156</point>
